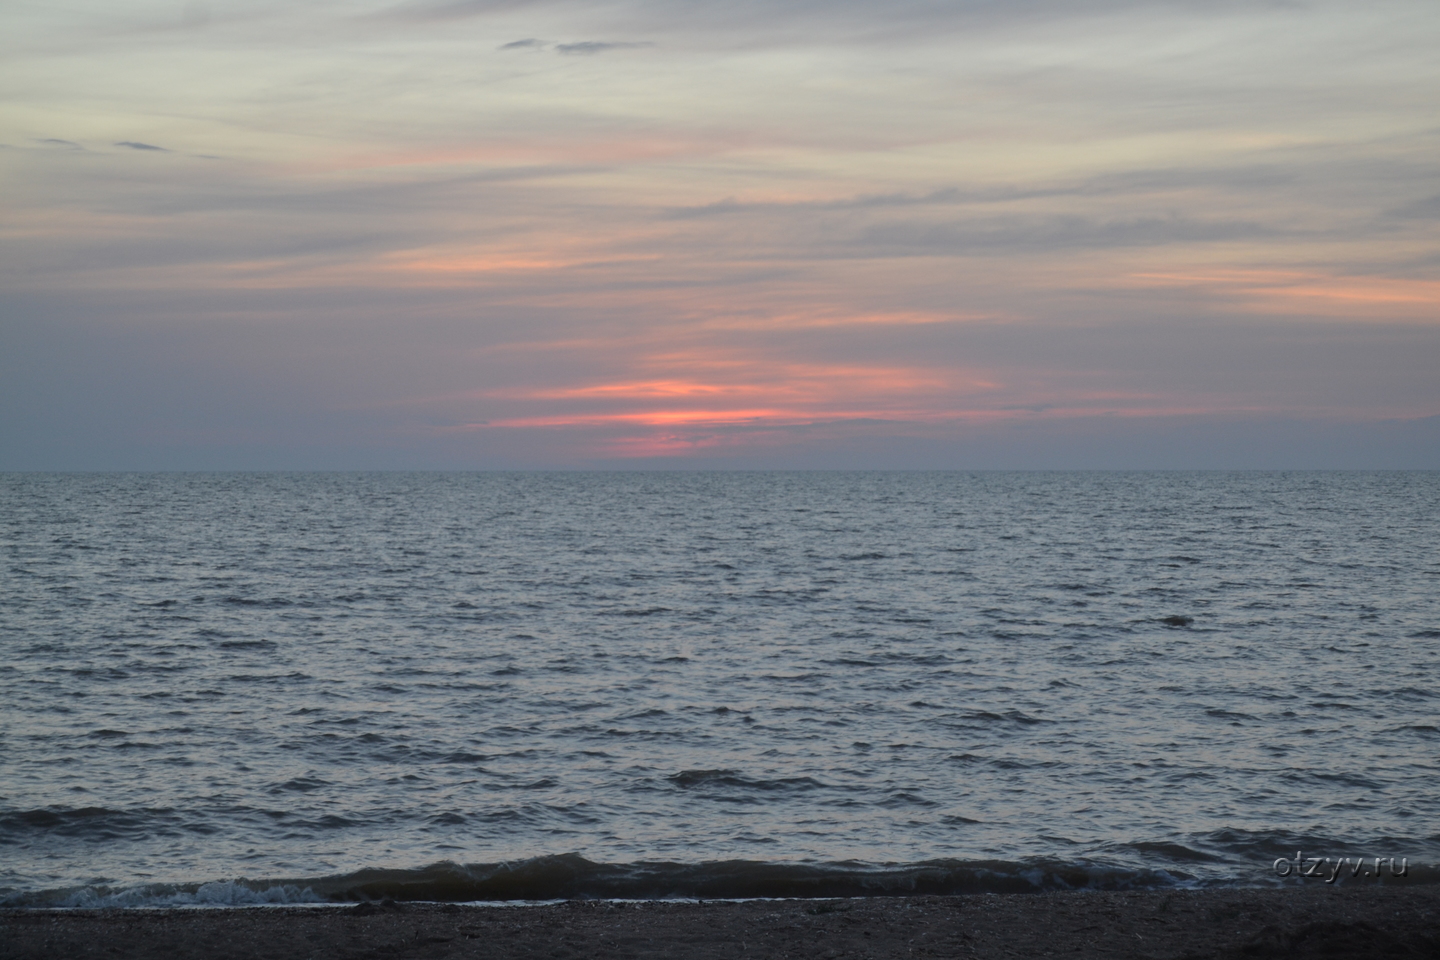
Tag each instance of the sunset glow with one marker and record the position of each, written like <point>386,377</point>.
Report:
<point>571,232</point>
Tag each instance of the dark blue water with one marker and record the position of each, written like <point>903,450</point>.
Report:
<point>530,685</point>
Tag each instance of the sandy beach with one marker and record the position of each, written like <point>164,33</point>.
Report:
<point>1313,921</point>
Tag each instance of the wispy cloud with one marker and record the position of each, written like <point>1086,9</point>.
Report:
<point>1021,234</point>
<point>758,23</point>
<point>583,47</point>
<point>1425,209</point>
<point>1311,293</point>
<point>1122,183</point>
<point>594,46</point>
<point>134,145</point>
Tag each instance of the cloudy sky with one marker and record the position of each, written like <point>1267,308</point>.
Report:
<point>760,233</point>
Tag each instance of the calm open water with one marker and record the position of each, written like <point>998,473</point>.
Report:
<point>530,685</point>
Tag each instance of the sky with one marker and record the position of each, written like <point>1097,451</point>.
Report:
<point>672,234</point>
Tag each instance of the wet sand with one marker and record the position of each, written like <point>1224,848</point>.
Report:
<point>1235,923</point>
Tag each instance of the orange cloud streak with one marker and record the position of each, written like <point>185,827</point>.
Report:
<point>1286,291</point>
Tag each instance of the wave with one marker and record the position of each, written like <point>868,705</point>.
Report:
<point>570,876</point>
<point>217,893</point>
<point>731,778</point>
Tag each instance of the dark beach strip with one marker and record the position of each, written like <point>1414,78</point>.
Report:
<point>1354,921</point>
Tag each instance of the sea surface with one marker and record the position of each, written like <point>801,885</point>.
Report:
<point>240,688</point>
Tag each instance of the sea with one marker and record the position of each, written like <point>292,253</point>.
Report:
<point>247,688</point>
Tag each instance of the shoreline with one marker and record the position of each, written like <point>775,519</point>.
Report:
<point>1354,921</point>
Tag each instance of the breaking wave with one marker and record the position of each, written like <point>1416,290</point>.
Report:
<point>570,876</point>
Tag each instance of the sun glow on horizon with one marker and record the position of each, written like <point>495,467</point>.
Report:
<point>388,231</point>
